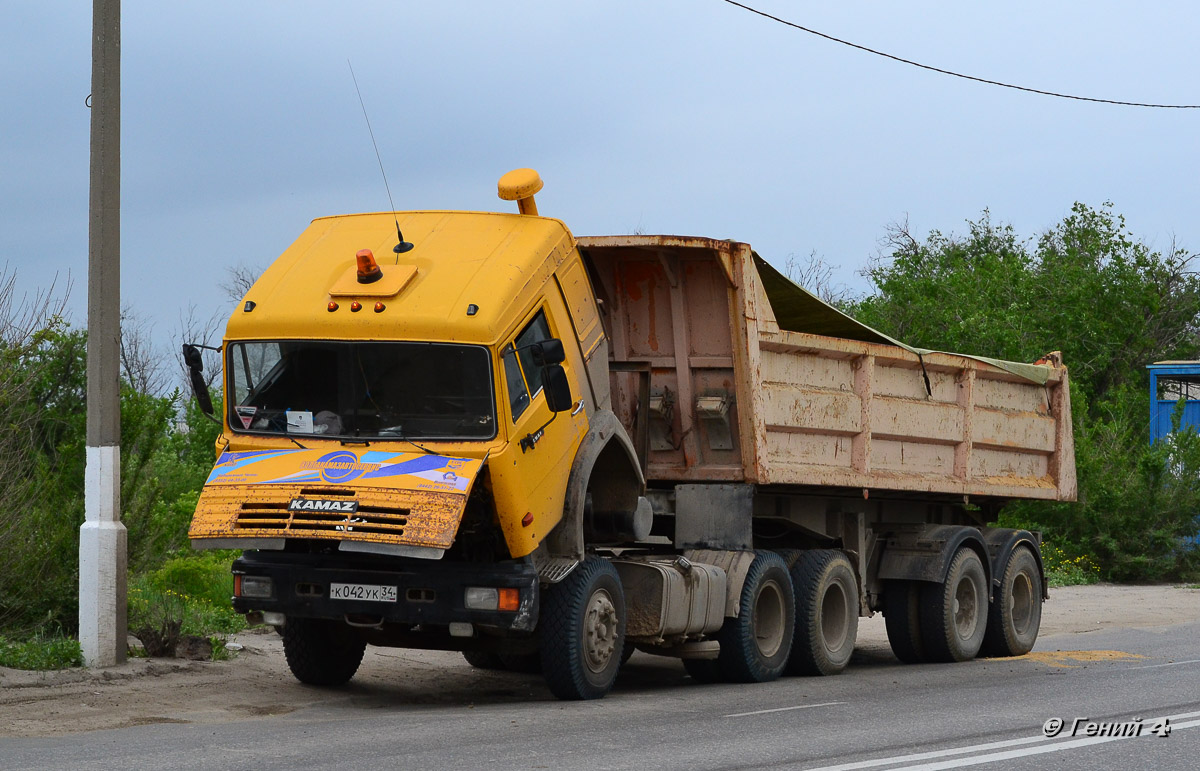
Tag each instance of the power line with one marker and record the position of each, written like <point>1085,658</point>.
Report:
<point>958,74</point>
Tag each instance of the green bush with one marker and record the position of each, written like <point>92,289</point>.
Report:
<point>201,576</point>
<point>41,652</point>
<point>160,613</point>
<point>1065,570</point>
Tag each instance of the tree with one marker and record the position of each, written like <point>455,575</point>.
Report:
<point>1111,304</point>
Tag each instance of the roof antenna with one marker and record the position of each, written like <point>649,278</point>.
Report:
<point>403,246</point>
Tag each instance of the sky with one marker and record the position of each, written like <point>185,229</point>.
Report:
<point>240,124</point>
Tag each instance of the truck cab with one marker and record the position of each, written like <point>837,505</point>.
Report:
<point>401,424</point>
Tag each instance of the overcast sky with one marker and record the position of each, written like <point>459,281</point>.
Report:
<point>241,124</point>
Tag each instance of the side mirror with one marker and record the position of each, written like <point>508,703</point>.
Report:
<point>549,351</point>
<point>557,387</point>
<point>195,365</point>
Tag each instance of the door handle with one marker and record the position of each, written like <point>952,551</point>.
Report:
<point>578,408</point>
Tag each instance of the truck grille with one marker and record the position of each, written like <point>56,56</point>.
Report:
<point>411,517</point>
<point>261,515</point>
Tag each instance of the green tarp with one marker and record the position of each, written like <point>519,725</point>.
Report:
<point>798,310</point>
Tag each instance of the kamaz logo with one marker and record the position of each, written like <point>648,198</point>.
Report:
<point>320,504</point>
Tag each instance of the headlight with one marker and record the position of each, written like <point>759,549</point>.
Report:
<point>257,587</point>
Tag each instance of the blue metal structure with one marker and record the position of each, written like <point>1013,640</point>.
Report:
<point>1170,382</point>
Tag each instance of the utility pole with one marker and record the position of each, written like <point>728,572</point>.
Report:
<point>102,538</point>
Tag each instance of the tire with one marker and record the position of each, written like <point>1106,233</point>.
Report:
<point>484,660</point>
<point>756,644</point>
<point>954,613</point>
<point>583,631</point>
<point>902,617</point>
<point>826,591</point>
<point>704,671</point>
<point>322,652</point>
<point>1015,615</point>
<point>627,652</point>
<point>525,663</point>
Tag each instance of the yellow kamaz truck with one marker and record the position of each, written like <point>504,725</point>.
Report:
<point>476,432</point>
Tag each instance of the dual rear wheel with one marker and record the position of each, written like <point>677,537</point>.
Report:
<point>953,620</point>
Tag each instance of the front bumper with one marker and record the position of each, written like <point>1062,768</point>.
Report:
<point>428,592</point>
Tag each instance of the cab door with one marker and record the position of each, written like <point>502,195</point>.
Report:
<point>529,477</point>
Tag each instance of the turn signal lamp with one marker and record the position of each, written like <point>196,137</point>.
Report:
<point>510,599</point>
<point>368,269</point>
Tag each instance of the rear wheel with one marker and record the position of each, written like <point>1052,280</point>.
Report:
<point>902,617</point>
<point>756,644</point>
<point>954,613</point>
<point>1015,614</point>
<point>826,592</point>
<point>322,652</point>
<point>583,631</point>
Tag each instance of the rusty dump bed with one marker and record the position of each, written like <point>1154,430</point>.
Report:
<point>712,389</point>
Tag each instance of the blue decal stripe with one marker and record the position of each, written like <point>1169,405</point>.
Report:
<point>245,459</point>
<point>423,463</point>
<point>286,480</point>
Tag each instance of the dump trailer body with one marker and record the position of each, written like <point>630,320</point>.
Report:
<point>712,388</point>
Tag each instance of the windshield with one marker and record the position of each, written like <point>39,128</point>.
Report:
<point>362,390</point>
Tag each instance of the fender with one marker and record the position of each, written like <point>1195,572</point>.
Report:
<point>1002,542</point>
<point>924,554</point>
<point>605,465</point>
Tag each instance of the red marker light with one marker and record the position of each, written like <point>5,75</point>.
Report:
<point>355,306</point>
<point>379,307</point>
<point>527,520</point>
<point>368,270</point>
<point>332,306</point>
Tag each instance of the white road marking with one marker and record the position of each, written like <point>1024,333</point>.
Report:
<point>1055,746</point>
<point>786,709</point>
<point>1168,664</point>
<point>928,755</point>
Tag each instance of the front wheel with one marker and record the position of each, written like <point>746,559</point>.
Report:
<point>1016,612</point>
<point>756,644</point>
<point>322,652</point>
<point>583,631</point>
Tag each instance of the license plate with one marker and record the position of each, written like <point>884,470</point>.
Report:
<point>367,592</point>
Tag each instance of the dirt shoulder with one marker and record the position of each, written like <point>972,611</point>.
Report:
<point>256,683</point>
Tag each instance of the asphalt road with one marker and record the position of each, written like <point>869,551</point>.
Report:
<point>879,714</point>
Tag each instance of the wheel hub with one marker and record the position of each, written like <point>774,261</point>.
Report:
<point>965,607</point>
<point>600,631</point>
<point>769,619</point>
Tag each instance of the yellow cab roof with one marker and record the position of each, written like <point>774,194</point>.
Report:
<point>497,262</point>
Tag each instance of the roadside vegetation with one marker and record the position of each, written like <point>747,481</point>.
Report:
<point>167,451</point>
<point>1112,305</point>
<point>1086,287</point>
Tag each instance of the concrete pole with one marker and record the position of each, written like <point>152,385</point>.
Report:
<point>102,538</point>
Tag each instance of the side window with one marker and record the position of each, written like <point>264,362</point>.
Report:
<point>523,377</point>
<point>518,395</point>
<point>535,331</point>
